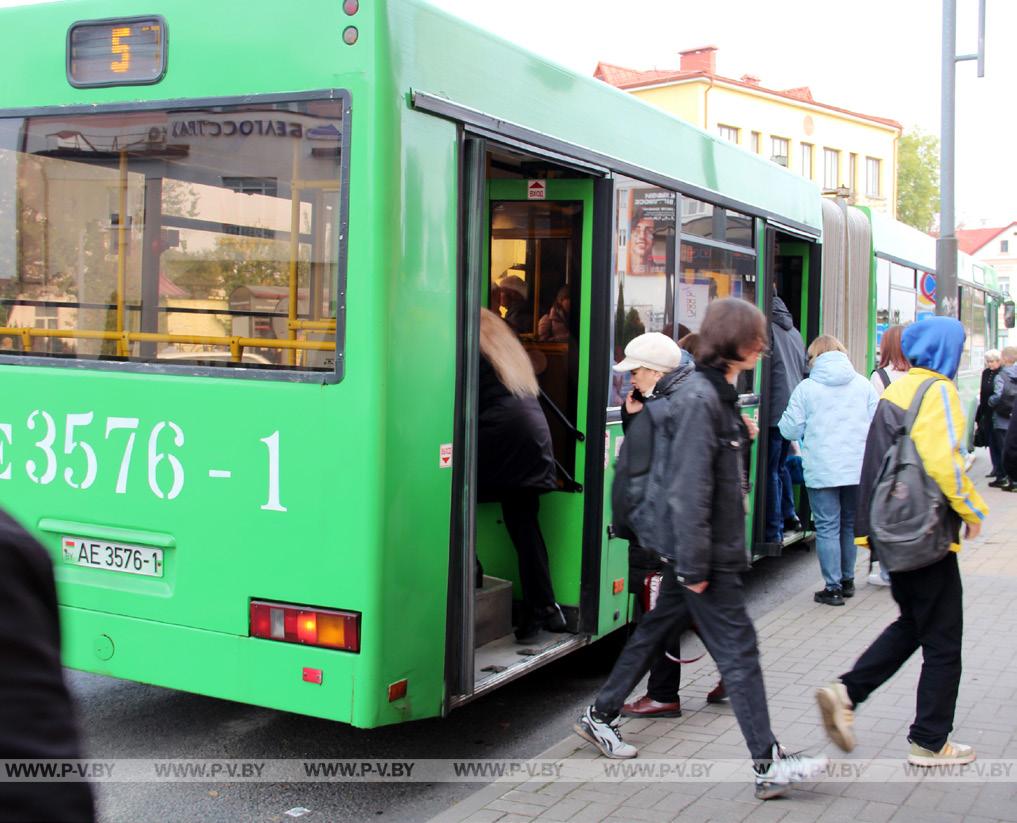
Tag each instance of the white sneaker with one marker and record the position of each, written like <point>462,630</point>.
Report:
<point>952,754</point>
<point>838,714</point>
<point>875,578</point>
<point>604,735</point>
<point>786,768</point>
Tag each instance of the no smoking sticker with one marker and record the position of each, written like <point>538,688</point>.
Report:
<point>445,456</point>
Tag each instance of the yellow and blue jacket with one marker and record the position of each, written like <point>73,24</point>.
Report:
<point>937,434</point>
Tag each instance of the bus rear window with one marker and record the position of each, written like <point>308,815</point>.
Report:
<point>201,236</point>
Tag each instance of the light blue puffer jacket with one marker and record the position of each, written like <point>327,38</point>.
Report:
<point>829,414</point>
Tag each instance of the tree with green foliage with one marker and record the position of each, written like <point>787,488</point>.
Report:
<point>918,179</point>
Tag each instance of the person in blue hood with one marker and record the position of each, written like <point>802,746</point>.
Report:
<point>931,597</point>
<point>829,414</point>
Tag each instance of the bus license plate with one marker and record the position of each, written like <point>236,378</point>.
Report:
<point>117,557</point>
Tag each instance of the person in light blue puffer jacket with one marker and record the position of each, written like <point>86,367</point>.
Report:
<point>829,414</point>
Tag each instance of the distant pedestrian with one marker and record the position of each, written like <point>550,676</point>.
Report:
<point>984,429</point>
<point>929,598</point>
<point>829,414</point>
<point>36,714</point>
<point>705,507</point>
<point>1001,401</point>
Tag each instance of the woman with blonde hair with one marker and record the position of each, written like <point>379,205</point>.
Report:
<point>515,465</point>
<point>829,414</point>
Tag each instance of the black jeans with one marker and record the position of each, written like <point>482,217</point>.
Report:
<point>931,617</point>
<point>520,512</point>
<point>665,670</point>
<point>724,625</point>
<point>653,635</point>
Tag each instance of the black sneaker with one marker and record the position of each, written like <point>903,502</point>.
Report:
<point>829,597</point>
<point>792,524</point>
<point>999,482</point>
<point>847,587</point>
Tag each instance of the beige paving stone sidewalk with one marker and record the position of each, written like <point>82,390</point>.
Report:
<point>803,646</point>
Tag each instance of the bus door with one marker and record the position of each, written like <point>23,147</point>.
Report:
<point>532,257</point>
<point>790,262</point>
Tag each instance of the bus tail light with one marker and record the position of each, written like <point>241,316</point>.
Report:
<point>311,627</point>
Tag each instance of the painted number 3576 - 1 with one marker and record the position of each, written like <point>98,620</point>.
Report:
<point>81,466</point>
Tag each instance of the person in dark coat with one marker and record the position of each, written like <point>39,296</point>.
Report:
<point>985,434</point>
<point>787,368</point>
<point>36,715</point>
<point>515,465</point>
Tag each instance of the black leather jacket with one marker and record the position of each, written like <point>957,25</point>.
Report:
<point>706,508</point>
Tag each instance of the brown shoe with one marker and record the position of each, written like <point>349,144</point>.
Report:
<point>645,706</point>
<point>719,693</point>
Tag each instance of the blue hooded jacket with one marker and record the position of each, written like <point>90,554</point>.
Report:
<point>935,343</point>
<point>829,413</point>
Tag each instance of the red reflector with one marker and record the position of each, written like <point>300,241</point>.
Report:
<point>312,675</point>
<point>326,628</point>
<point>351,6</point>
<point>619,585</point>
<point>397,690</point>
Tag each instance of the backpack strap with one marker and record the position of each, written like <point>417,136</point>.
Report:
<point>916,403</point>
<point>884,377</point>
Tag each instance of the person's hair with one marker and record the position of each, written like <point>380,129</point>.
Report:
<point>823,344</point>
<point>890,352</point>
<point>501,347</point>
<point>730,326</point>
<point>1009,355</point>
<point>992,354</point>
<point>690,343</point>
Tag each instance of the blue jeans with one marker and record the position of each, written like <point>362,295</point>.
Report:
<point>833,510</point>
<point>780,502</point>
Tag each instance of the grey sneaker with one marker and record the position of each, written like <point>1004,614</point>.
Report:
<point>952,754</point>
<point>838,714</point>
<point>784,769</point>
<point>604,735</point>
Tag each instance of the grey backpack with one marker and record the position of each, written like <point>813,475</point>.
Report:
<point>908,511</point>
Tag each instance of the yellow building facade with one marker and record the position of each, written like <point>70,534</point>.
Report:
<point>842,151</point>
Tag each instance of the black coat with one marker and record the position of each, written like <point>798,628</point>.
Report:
<point>983,414</point>
<point>787,360</point>
<point>1010,449</point>
<point>514,449</point>
<point>36,716</point>
<point>705,502</point>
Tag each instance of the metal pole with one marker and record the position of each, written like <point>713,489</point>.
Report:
<point>946,245</point>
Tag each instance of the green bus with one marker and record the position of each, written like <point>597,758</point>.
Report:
<point>242,257</point>
<point>878,273</point>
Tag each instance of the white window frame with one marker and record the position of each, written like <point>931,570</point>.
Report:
<point>807,158</point>
<point>873,182</point>
<point>831,163</point>
<point>777,143</point>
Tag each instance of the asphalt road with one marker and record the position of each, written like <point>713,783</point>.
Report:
<point>128,720</point>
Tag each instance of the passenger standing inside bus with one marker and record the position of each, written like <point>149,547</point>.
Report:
<point>1004,393</point>
<point>554,326</point>
<point>787,368</point>
<point>515,465</point>
<point>829,414</point>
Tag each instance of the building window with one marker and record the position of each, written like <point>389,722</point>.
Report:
<point>729,133</point>
<point>779,150</point>
<point>1004,246</point>
<point>872,174</point>
<point>807,160</point>
<point>853,172</point>
<point>757,142</point>
<point>831,168</point>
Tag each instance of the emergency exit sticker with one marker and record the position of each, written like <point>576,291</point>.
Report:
<point>445,456</point>
<point>536,190</point>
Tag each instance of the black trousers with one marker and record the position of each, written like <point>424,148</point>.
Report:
<point>723,623</point>
<point>665,669</point>
<point>520,512</point>
<point>667,619</point>
<point>931,618</point>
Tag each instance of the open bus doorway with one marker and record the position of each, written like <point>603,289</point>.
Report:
<point>791,261</point>
<point>531,262</point>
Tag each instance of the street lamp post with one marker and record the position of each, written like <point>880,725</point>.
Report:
<point>946,244</point>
